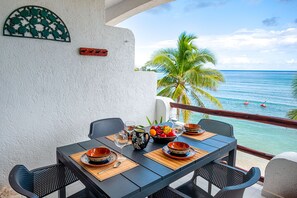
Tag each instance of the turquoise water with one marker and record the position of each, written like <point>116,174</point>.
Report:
<point>274,87</point>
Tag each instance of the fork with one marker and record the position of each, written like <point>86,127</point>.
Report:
<point>195,149</point>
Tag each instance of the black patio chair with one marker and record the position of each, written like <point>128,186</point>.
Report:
<point>231,181</point>
<point>218,127</point>
<point>104,127</point>
<point>42,181</point>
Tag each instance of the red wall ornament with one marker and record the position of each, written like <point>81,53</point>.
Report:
<point>92,51</point>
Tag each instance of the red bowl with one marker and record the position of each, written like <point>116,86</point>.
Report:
<point>98,154</point>
<point>192,127</point>
<point>179,148</point>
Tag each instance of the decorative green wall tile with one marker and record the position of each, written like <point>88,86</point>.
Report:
<point>36,22</point>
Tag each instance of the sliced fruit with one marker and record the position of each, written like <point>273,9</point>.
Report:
<point>167,129</point>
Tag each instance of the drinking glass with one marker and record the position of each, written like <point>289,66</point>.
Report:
<point>129,127</point>
<point>172,119</point>
<point>178,128</point>
<point>121,140</point>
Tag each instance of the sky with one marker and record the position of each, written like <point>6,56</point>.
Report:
<point>243,34</point>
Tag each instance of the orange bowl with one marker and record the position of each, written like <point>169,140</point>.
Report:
<point>192,127</point>
<point>98,154</point>
<point>180,148</point>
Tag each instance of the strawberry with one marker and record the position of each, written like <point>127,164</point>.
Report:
<point>171,134</point>
<point>163,135</point>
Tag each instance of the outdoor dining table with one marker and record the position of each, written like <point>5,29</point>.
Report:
<point>149,176</point>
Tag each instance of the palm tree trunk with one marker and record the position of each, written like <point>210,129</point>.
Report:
<point>178,110</point>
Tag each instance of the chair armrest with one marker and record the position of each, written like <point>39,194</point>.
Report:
<point>17,170</point>
<point>228,166</point>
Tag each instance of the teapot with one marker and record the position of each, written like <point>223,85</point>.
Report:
<point>140,138</point>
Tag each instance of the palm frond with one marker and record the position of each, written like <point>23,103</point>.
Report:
<point>209,97</point>
<point>205,56</point>
<point>292,114</point>
<point>204,77</point>
<point>166,92</point>
<point>179,90</point>
<point>166,81</point>
<point>196,98</point>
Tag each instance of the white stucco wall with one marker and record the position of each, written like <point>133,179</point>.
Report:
<point>49,93</point>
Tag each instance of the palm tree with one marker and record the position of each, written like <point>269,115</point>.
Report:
<point>185,76</point>
<point>293,113</point>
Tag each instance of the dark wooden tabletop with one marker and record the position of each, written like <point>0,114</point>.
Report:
<point>149,176</point>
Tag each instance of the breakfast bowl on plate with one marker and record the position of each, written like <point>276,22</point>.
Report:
<point>99,154</point>
<point>190,127</point>
<point>178,148</point>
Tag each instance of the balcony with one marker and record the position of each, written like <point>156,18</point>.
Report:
<point>50,94</point>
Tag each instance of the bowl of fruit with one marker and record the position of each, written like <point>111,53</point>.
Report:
<point>162,134</point>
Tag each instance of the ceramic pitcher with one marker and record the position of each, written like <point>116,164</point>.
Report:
<point>140,138</point>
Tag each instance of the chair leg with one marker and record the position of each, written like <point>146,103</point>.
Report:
<point>209,188</point>
<point>194,177</point>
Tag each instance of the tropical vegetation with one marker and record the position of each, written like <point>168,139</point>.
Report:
<point>185,75</point>
<point>292,114</point>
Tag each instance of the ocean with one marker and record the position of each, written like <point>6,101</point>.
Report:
<point>256,87</point>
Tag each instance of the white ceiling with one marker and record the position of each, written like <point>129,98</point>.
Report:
<point>117,11</point>
<point>110,3</point>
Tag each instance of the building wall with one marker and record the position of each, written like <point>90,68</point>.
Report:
<point>49,94</point>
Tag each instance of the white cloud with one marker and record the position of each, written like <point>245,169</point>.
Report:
<point>242,49</point>
<point>141,58</point>
<point>234,60</point>
<point>291,61</point>
<point>251,39</point>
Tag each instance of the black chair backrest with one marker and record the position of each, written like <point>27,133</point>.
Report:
<point>41,181</point>
<point>22,181</point>
<point>105,127</point>
<point>237,191</point>
<point>218,127</point>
